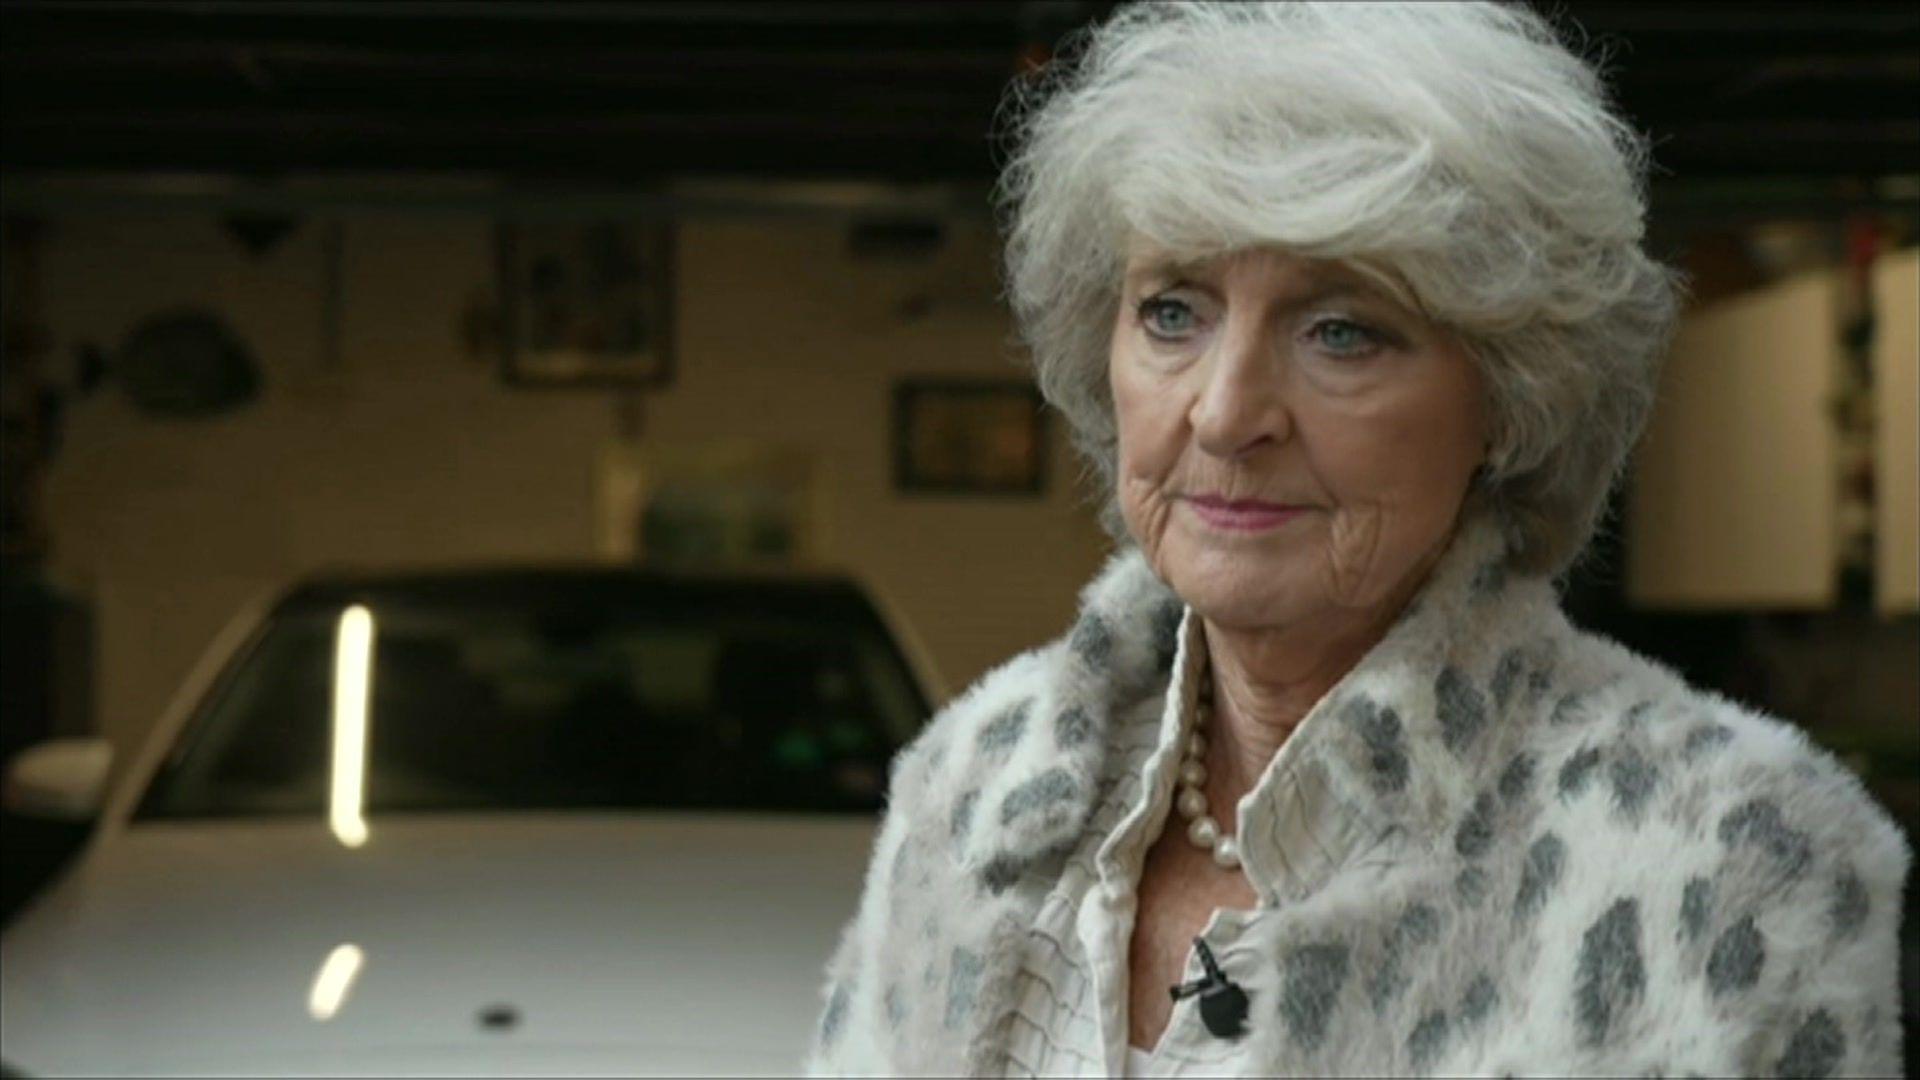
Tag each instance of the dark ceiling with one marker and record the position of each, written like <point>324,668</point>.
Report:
<point>895,91</point>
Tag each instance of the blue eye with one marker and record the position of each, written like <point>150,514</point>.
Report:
<point>1166,318</point>
<point>1343,337</point>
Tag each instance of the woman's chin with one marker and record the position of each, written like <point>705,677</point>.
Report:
<point>1249,579</point>
<point>1240,597</point>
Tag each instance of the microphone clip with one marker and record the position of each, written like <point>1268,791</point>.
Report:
<point>1223,1004</point>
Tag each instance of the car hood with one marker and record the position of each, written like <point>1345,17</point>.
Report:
<point>595,943</point>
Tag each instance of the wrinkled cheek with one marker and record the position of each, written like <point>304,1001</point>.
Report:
<point>1142,468</point>
<point>1144,505</point>
<point>1149,452</point>
<point>1353,554</point>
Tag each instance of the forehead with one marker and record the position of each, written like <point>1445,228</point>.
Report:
<point>1288,271</point>
<point>1146,260</point>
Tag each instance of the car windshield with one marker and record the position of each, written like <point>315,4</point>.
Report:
<point>595,691</point>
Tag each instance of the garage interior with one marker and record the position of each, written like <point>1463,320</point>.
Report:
<point>339,209</point>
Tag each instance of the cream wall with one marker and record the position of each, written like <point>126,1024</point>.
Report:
<point>1736,489</point>
<point>411,452</point>
<point>1896,378</point>
<point>1735,486</point>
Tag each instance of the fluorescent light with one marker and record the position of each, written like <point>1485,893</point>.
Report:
<point>352,684</point>
<point>334,980</point>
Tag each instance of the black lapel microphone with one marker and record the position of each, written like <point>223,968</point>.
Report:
<point>1223,1004</point>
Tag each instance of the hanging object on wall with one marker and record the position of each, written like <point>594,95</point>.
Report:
<point>186,363</point>
<point>585,303</point>
<point>967,436</point>
<point>260,233</point>
<point>717,502</point>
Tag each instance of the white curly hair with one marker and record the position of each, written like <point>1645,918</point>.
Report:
<point>1458,154</point>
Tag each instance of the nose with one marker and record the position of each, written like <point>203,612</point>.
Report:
<point>1241,403</point>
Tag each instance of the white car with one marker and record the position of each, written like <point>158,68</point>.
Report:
<point>501,823</point>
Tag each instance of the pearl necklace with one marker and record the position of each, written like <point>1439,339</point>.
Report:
<point>1202,829</point>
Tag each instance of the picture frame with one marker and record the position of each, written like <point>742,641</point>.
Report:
<point>585,303</point>
<point>969,436</point>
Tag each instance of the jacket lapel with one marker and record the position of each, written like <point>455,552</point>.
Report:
<point>1042,752</point>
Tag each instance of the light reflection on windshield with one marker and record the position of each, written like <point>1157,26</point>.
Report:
<point>352,672</point>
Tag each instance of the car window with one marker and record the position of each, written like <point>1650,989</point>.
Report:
<point>558,699</point>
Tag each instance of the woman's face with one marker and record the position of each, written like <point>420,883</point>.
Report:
<point>1293,444</point>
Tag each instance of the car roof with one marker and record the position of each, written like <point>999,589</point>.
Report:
<point>552,582</point>
<point>584,587</point>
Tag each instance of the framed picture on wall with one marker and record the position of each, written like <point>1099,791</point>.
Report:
<point>586,303</point>
<point>968,436</point>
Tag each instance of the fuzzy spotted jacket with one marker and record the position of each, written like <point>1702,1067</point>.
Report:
<point>1566,860</point>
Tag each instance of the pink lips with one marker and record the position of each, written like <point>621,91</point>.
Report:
<point>1242,515</point>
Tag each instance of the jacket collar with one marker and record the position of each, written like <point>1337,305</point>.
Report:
<point>1409,745</point>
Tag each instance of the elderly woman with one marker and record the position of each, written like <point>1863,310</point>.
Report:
<point>1347,307</point>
